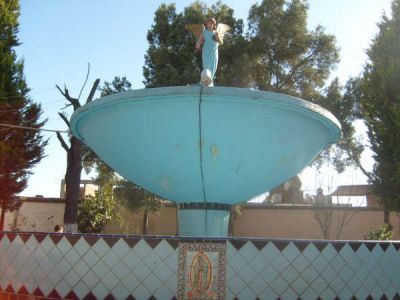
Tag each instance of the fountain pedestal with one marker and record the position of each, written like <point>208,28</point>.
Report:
<point>203,219</point>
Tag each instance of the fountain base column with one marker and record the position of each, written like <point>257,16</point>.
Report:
<point>203,219</point>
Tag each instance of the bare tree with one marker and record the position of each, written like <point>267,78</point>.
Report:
<point>74,161</point>
<point>332,220</point>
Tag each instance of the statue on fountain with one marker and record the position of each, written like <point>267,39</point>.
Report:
<point>209,36</point>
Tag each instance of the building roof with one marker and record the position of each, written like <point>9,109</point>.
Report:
<point>353,190</point>
<point>40,199</point>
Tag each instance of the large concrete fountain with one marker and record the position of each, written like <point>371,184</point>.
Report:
<point>205,148</point>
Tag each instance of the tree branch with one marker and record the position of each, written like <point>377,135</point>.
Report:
<point>358,164</point>
<point>64,118</point>
<point>93,90</point>
<point>86,79</point>
<point>295,68</point>
<point>61,91</point>
<point>75,102</point>
<point>63,143</point>
<point>365,172</point>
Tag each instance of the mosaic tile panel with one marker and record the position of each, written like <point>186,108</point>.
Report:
<point>76,266</point>
<point>201,273</point>
<point>312,269</point>
<point>90,267</point>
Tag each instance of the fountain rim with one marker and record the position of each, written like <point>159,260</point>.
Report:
<point>233,93</point>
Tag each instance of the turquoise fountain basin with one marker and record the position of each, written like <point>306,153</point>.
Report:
<point>213,145</point>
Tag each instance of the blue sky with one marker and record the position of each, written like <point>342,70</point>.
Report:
<point>60,37</point>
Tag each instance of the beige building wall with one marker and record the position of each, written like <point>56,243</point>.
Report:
<point>395,222</point>
<point>163,222</point>
<point>309,222</point>
<point>280,221</point>
<point>36,216</point>
<point>87,188</point>
<point>256,220</point>
<point>43,214</point>
<point>132,222</point>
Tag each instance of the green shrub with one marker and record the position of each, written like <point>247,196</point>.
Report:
<point>381,233</point>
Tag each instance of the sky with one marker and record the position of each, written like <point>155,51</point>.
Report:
<point>59,39</point>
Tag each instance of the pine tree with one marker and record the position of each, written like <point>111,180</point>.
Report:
<point>381,107</point>
<point>20,149</point>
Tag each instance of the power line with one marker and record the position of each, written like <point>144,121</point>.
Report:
<point>32,128</point>
<point>42,91</point>
<point>53,101</point>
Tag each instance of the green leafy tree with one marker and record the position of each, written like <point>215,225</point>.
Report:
<point>344,103</point>
<point>20,149</point>
<point>285,56</point>
<point>381,107</point>
<point>119,84</point>
<point>96,212</point>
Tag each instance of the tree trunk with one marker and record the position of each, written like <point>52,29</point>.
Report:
<point>72,185</point>
<point>231,228</point>
<point>3,214</point>
<point>386,218</point>
<point>145,221</point>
